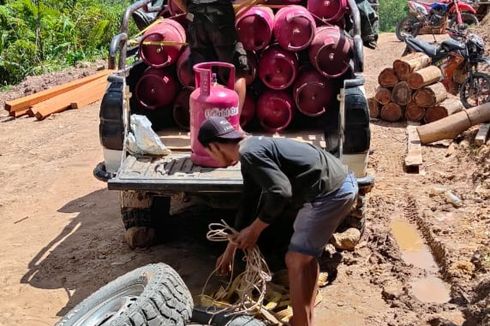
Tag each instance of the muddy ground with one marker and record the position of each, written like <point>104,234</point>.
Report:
<point>62,237</point>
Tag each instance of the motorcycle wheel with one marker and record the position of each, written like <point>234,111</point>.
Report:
<point>407,25</point>
<point>468,19</point>
<point>475,90</point>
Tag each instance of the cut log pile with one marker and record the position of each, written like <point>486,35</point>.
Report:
<point>72,95</point>
<point>412,90</point>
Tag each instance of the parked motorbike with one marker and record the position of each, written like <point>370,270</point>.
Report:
<point>435,17</point>
<point>459,58</point>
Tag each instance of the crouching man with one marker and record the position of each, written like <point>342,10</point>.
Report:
<point>277,172</point>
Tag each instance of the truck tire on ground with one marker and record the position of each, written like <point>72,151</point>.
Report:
<point>150,295</point>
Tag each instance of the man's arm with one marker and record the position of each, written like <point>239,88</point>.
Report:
<point>181,5</point>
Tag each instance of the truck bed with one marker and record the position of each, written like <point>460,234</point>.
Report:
<point>176,172</point>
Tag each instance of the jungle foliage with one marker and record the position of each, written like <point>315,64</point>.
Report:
<point>390,13</point>
<point>44,35</point>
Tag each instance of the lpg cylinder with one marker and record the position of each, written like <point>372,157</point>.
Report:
<point>275,110</point>
<point>248,111</point>
<point>330,51</point>
<point>184,72</point>
<point>155,89</point>
<point>278,68</point>
<point>313,93</point>
<point>294,28</point>
<point>161,43</point>
<point>211,99</point>
<point>329,10</point>
<point>181,109</point>
<point>254,27</point>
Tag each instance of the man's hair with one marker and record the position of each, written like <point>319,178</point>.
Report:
<point>206,142</point>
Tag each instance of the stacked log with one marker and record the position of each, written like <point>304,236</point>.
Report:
<point>411,90</point>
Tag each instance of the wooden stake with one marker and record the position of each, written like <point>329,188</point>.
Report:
<point>451,126</point>
<point>391,112</point>
<point>481,136</point>
<point>443,109</point>
<point>27,101</point>
<point>430,95</point>
<point>373,107</point>
<point>383,95</point>
<point>410,63</point>
<point>401,93</point>
<point>413,112</point>
<point>387,78</point>
<point>413,160</point>
<point>424,77</point>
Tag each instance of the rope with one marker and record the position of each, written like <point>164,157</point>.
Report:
<point>250,286</point>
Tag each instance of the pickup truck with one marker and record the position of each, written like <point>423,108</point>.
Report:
<point>152,187</point>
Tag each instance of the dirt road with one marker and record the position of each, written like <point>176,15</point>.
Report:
<point>61,234</point>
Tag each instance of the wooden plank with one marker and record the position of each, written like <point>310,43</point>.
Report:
<point>90,97</point>
<point>63,101</point>
<point>413,160</point>
<point>17,114</point>
<point>27,101</point>
<point>481,136</point>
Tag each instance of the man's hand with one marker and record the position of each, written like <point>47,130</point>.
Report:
<point>248,237</point>
<point>223,264</point>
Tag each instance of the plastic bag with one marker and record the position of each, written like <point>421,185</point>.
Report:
<point>142,140</point>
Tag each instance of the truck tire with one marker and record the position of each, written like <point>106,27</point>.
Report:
<point>142,214</point>
<point>150,295</point>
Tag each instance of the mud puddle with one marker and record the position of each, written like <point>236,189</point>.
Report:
<point>430,288</point>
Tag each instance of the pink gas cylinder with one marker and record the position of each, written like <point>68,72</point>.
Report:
<point>329,10</point>
<point>312,92</point>
<point>330,51</point>
<point>248,111</point>
<point>161,44</point>
<point>211,99</point>
<point>278,67</point>
<point>294,28</point>
<point>184,72</point>
<point>254,27</point>
<point>155,89</point>
<point>181,110</point>
<point>275,110</point>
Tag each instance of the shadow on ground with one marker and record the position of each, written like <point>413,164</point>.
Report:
<point>90,250</point>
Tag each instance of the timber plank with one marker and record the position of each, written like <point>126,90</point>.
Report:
<point>482,134</point>
<point>30,100</point>
<point>413,160</point>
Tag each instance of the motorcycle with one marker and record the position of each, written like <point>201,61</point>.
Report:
<point>435,17</point>
<point>459,58</point>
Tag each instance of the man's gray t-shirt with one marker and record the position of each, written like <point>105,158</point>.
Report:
<point>277,172</point>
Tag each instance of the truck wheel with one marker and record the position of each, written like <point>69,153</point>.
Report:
<point>150,295</point>
<point>141,214</point>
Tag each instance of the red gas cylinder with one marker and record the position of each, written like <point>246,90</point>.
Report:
<point>252,73</point>
<point>161,43</point>
<point>294,28</point>
<point>330,51</point>
<point>328,10</point>
<point>275,110</point>
<point>248,111</point>
<point>278,68</point>
<point>155,89</point>
<point>181,110</point>
<point>184,72</point>
<point>254,27</point>
<point>211,99</point>
<point>282,2</point>
<point>312,92</point>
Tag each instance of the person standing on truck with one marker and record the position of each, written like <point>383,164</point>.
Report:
<point>277,172</point>
<point>213,37</point>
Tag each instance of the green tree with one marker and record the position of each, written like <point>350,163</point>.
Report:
<point>390,13</point>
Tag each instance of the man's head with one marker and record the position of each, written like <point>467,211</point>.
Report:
<point>221,140</point>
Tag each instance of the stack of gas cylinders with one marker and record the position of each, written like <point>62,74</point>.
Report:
<point>298,53</point>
